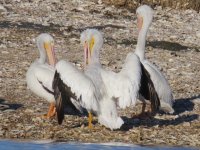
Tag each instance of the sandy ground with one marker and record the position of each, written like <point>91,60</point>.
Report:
<point>172,44</point>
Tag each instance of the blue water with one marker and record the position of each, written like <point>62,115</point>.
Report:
<point>52,145</point>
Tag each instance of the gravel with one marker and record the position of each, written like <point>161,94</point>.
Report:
<point>172,44</point>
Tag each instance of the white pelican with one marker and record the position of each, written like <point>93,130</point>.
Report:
<point>133,80</point>
<point>88,87</point>
<point>145,16</point>
<point>39,76</point>
<point>125,86</point>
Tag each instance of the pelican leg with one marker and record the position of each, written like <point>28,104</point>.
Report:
<point>143,107</point>
<point>51,111</point>
<point>143,114</point>
<point>90,120</point>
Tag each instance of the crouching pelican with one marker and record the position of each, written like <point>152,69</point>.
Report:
<point>88,87</point>
<point>145,16</point>
<point>39,76</point>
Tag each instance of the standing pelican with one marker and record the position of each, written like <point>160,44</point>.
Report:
<point>87,88</point>
<point>39,76</point>
<point>123,87</point>
<point>145,16</point>
<point>133,80</point>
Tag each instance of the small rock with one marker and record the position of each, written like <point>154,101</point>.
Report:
<point>186,124</point>
<point>28,111</point>
<point>100,2</point>
<point>29,127</point>
<point>82,126</point>
<point>73,40</point>
<point>2,8</point>
<point>3,46</point>
<point>105,62</point>
<point>198,34</point>
<point>37,119</point>
<point>2,106</point>
<point>197,101</point>
<point>173,37</point>
<point>9,110</point>
<point>5,52</point>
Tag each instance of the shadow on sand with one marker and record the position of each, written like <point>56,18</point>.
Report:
<point>171,46</point>
<point>166,45</point>
<point>130,123</point>
<point>30,26</point>
<point>184,104</point>
<point>180,106</point>
<point>103,27</point>
<point>5,106</point>
<point>51,27</point>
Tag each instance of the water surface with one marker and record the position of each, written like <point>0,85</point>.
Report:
<point>53,145</point>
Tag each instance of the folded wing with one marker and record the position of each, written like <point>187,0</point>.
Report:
<point>147,90</point>
<point>44,76</point>
<point>70,83</point>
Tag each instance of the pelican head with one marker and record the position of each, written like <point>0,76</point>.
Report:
<point>145,16</point>
<point>45,45</point>
<point>92,40</point>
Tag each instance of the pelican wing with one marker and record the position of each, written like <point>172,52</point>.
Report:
<point>62,94</point>
<point>69,82</point>
<point>124,85</point>
<point>147,90</point>
<point>45,76</point>
<point>118,86</point>
<point>162,87</point>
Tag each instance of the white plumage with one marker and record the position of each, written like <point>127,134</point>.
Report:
<point>89,86</point>
<point>124,85</point>
<point>80,84</point>
<point>93,41</point>
<point>40,74</point>
<point>131,81</point>
<point>145,16</point>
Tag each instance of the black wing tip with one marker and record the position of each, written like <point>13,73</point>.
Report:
<point>58,97</point>
<point>148,90</point>
<point>55,80</point>
<point>63,95</point>
<point>60,109</point>
<point>60,119</point>
<point>155,103</point>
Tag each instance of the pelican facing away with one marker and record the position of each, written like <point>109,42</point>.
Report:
<point>145,16</point>
<point>39,76</point>
<point>133,80</point>
<point>87,88</point>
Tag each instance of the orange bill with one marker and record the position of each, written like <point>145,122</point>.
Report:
<point>139,23</point>
<point>49,47</point>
